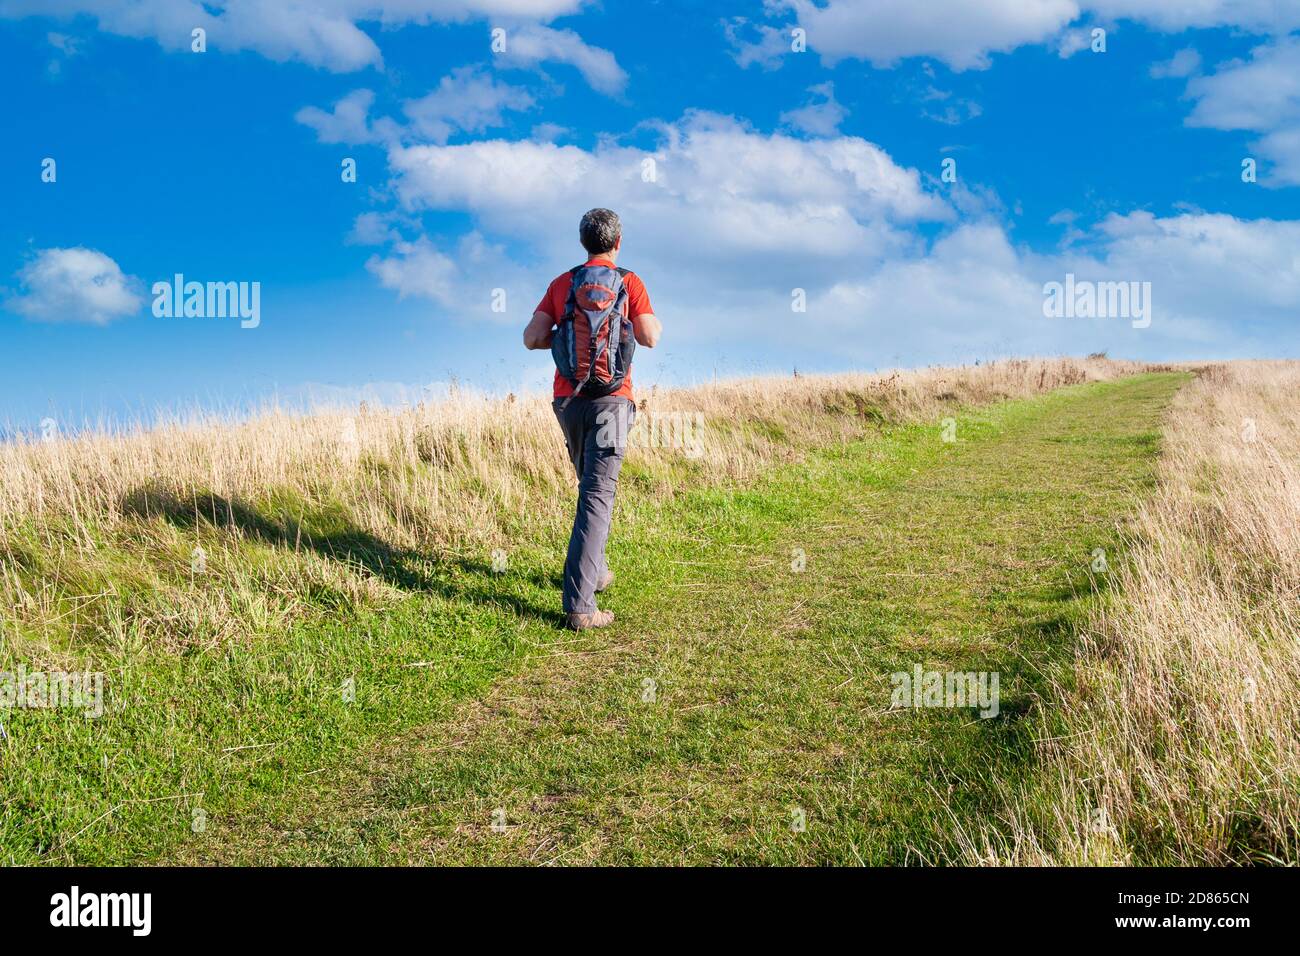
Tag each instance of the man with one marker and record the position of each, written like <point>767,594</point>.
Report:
<point>593,394</point>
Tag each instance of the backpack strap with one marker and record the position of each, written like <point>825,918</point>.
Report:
<point>571,300</point>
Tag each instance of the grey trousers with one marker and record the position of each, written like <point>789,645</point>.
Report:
<point>595,431</point>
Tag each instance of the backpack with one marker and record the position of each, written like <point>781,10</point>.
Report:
<point>593,343</point>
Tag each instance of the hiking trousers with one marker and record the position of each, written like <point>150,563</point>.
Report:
<point>595,432</point>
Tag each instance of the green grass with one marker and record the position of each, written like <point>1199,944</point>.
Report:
<point>771,693</point>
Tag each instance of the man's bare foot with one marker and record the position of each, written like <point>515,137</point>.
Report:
<point>606,580</point>
<point>581,622</point>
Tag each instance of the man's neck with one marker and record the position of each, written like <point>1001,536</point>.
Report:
<point>612,257</point>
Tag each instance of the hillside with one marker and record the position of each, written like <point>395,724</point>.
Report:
<point>334,638</point>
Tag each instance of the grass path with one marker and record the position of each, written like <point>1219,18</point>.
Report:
<point>737,697</point>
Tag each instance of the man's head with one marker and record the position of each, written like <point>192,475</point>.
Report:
<point>600,231</point>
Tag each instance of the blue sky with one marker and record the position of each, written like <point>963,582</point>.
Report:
<point>744,170</point>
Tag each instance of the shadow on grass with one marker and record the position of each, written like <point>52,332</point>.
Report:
<point>983,760</point>
<point>331,534</point>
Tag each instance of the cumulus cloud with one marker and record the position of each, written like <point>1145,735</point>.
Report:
<point>942,107</point>
<point>378,228</point>
<point>66,47</point>
<point>818,118</point>
<point>531,44</point>
<point>1174,16</point>
<point>1072,41</point>
<point>959,32</point>
<point>550,132</point>
<point>1211,267</point>
<point>467,100</point>
<point>417,269</point>
<point>728,222</point>
<point>722,221</point>
<point>713,192</point>
<point>766,51</point>
<point>348,121</point>
<point>1218,285</point>
<point>1262,95</point>
<point>964,33</point>
<point>463,281</point>
<point>321,33</point>
<point>75,285</point>
<point>966,279</point>
<point>1182,64</point>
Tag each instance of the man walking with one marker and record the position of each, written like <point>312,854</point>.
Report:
<point>592,318</point>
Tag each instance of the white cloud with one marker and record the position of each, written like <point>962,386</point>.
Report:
<point>1219,285</point>
<point>1072,41</point>
<point>467,100</point>
<point>1282,147</point>
<point>1182,64</point>
<point>530,45</point>
<point>1211,267</point>
<point>819,119</point>
<point>959,32</point>
<point>322,33</point>
<point>724,224</point>
<point>349,121</point>
<point>968,284</point>
<point>318,33</point>
<point>75,285</point>
<point>66,48</point>
<point>736,220</point>
<point>951,111</point>
<point>550,132</point>
<point>377,228</point>
<point>69,46</point>
<point>714,193</point>
<point>1174,16</point>
<point>767,51</point>
<point>417,269</point>
<point>463,283</point>
<point>1262,95</point>
<point>1259,93</point>
<point>964,33</point>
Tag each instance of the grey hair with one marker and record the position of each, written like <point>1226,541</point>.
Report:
<point>599,230</point>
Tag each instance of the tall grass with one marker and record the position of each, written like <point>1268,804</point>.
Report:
<point>207,531</point>
<point>1179,739</point>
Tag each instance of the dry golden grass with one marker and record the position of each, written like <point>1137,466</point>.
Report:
<point>1181,741</point>
<point>97,531</point>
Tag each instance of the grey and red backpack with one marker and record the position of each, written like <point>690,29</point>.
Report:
<point>593,343</point>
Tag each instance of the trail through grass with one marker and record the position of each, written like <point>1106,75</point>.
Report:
<point>739,710</point>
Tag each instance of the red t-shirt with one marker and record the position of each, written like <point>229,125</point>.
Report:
<point>557,294</point>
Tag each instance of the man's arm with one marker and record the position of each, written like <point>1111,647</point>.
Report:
<point>646,328</point>
<point>537,333</point>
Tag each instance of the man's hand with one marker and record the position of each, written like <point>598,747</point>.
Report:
<point>646,328</point>
<point>537,333</point>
